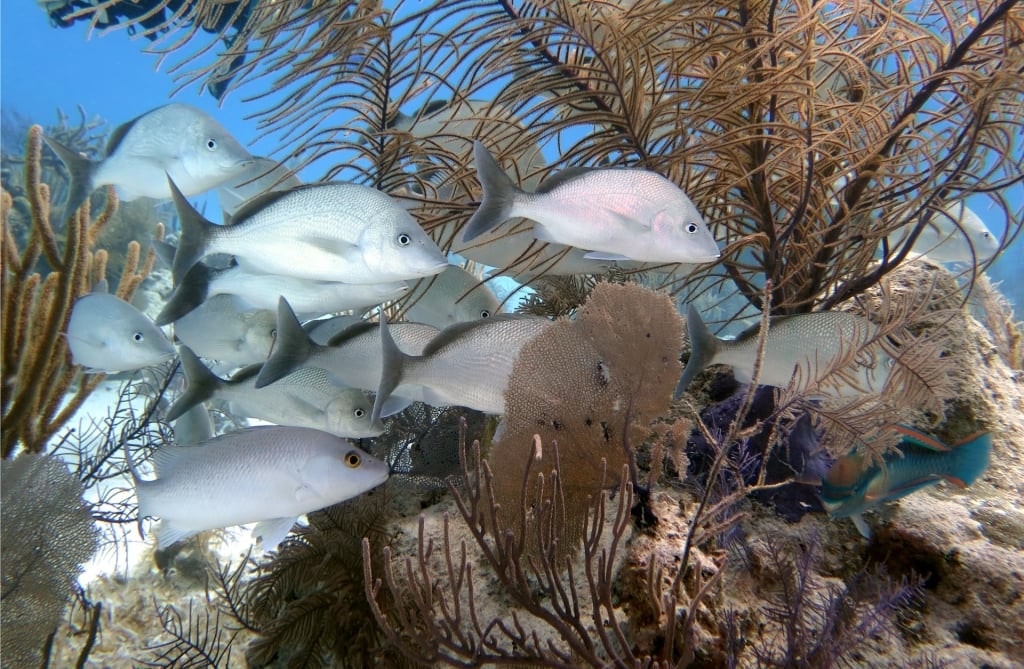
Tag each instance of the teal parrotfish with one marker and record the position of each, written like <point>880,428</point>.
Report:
<point>106,334</point>
<point>268,475</point>
<point>854,485</point>
<point>613,213</point>
<point>176,139</point>
<point>808,343</point>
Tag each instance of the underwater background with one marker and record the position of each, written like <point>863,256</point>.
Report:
<point>686,530</point>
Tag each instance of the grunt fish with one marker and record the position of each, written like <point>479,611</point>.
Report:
<point>223,329</point>
<point>269,475</point>
<point>804,342</point>
<point>262,176</point>
<point>175,140</point>
<point>853,485</point>
<point>453,296</point>
<point>106,334</point>
<point>261,291</point>
<point>325,232</point>
<point>956,235</point>
<point>467,364</point>
<point>352,357</point>
<point>614,213</point>
<point>305,398</point>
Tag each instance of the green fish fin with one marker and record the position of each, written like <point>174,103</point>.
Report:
<point>82,171</point>
<point>191,291</point>
<point>499,192</point>
<point>391,375</point>
<point>861,525</point>
<point>270,533</point>
<point>291,350</point>
<point>703,348</point>
<point>195,234</point>
<point>202,384</point>
<point>918,438</point>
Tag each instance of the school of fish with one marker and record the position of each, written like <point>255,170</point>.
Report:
<point>258,298</point>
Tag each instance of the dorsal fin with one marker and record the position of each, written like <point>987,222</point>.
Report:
<point>264,200</point>
<point>351,332</point>
<point>117,135</point>
<point>562,177</point>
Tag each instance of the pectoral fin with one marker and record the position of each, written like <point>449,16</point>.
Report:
<point>270,533</point>
<point>603,255</point>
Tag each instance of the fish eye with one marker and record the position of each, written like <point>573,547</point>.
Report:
<point>353,459</point>
<point>404,239</point>
<point>138,336</point>
<point>691,228</point>
<point>360,413</point>
<point>485,313</point>
<point>211,144</point>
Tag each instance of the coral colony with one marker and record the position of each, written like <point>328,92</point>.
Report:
<point>748,295</point>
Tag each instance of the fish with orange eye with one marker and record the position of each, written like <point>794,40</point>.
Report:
<point>854,485</point>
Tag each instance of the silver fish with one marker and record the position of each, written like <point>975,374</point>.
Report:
<point>106,334</point>
<point>808,343</point>
<point>453,296</point>
<point>223,329</point>
<point>615,213</point>
<point>467,364</point>
<point>175,140</point>
<point>305,398</point>
<point>452,124</point>
<point>352,357</point>
<point>262,176</point>
<point>270,475</point>
<point>956,235</point>
<point>261,291</point>
<point>326,232</point>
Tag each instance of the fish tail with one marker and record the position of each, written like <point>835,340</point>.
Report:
<point>164,251</point>
<point>703,347</point>
<point>499,193</point>
<point>202,383</point>
<point>391,373</point>
<point>195,234</point>
<point>82,172</point>
<point>191,291</point>
<point>291,349</point>
<point>970,458</point>
<point>919,438</point>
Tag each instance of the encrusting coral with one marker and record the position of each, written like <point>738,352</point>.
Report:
<point>35,369</point>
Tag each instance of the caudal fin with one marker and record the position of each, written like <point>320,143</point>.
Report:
<point>202,384</point>
<point>498,196</point>
<point>195,234</point>
<point>291,349</point>
<point>703,346</point>
<point>970,457</point>
<point>81,170</point>
<point>391,374</point>
<point>192,290</point>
